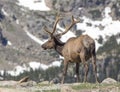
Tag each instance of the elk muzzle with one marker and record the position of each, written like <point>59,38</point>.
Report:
<point>44,47</point>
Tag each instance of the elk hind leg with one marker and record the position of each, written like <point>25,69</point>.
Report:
<point>94,67</point>
<point>77,72</point>
<point>86,71</point>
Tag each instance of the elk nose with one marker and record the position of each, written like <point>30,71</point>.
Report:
<point>43,47</point>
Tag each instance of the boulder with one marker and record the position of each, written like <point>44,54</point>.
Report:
<point>109,81</point>
<point>27,84</point>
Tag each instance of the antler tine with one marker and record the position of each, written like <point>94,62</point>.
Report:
<point>56,21</point>
<point>45,28</point>
<point>75,21</point>
<point>67,28</point>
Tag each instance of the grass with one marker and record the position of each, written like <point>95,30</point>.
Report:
<point>43,84</point>
<point>77,87</point>
<point>48,91</point>
<point>47,87</point>
<point>94,86</point>
<point>84,86</point>
<point>51,91</point>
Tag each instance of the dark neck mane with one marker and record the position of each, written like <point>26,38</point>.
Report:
<point>59,45</point>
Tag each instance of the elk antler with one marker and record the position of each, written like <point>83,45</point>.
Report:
<point>67,28</point>
<point>46,29</point>
<point>54,26</point>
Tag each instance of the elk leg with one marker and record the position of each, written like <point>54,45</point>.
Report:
<point>64,71</point>
<point>86,71</point>
<point>94,67</point>
<point>82,56</point>
<point>77,72</point>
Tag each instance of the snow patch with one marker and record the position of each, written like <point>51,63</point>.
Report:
<point>33,5</point>
<point>55,63</point>
<point>4,12</point>
<point>9,43</point>
<point>17,21</point>
<point>36,65</point>
<point>118,40</point>
<point>17,70</point>
<point>34,38</point>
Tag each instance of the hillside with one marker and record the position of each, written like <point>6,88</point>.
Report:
<point>22,23</point>
<point>22,49</point>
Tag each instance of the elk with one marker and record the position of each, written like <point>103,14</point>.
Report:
<point>75,49</point>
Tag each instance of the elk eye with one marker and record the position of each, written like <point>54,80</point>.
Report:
<point>50,41</point>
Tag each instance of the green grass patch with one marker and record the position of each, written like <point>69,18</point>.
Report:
<point>51,91</point>
<point>93,86</point>
<point>48,91</point>
<point>85,86</point>
<point>43,84</point>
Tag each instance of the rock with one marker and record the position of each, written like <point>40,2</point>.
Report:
<point>55,81</point>
<point>109,81</point>
<point>44,82</point>
<point>27,84</point>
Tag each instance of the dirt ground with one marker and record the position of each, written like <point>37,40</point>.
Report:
<point>31,86</point>
<point>61,88</point>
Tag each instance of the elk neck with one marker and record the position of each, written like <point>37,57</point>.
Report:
<point>59,45</point>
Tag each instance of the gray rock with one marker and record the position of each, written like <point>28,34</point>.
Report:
<point>109,81</point>
<point>27,84</point>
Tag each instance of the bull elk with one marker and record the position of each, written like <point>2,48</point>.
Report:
<point>76,49</point>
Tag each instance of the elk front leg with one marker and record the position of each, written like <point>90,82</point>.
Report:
<point>77,72</point>
<point>64,71</point>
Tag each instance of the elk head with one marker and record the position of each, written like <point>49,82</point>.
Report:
<point>55,38</point>
<point>51,43</point>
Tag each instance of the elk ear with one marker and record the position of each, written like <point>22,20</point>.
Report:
<point>58,36</point>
